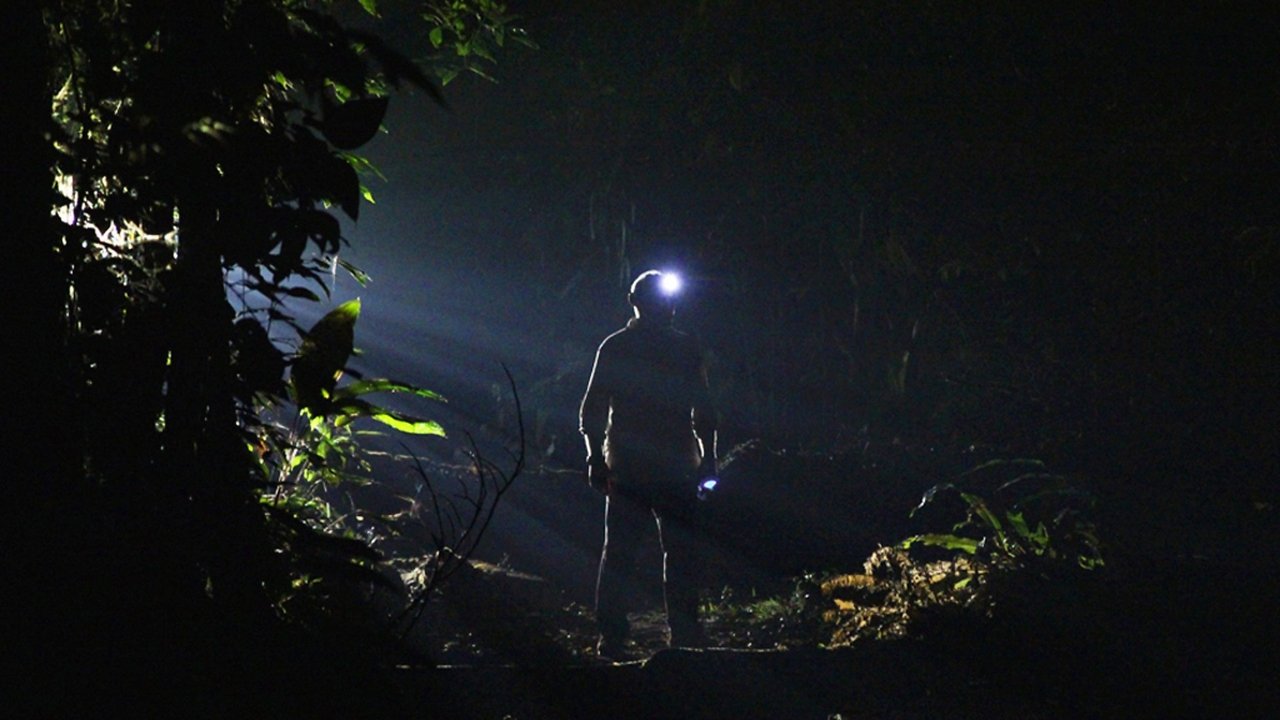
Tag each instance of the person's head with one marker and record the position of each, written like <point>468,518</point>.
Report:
<point>653,295</point>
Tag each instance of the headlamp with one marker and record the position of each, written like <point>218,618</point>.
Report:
<point>670,284</point>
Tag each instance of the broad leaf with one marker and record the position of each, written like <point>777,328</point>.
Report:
<point>365,387</point>
<point>323,355</point>
<point>410,425</point>
<point>350,408</point>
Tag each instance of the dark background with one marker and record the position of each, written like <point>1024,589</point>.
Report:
<point>916,236</point>
<point>1046,231</point>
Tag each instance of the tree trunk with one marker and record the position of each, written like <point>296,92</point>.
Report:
<point>41,480</point>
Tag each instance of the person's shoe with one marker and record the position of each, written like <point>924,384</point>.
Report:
<point>611,649</point>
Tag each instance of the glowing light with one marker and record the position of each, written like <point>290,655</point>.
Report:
<point>670,283</point>
<point>706,487</point>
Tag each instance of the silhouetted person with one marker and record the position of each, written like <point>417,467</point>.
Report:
<point>650,430</point>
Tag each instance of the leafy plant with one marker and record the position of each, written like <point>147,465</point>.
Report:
<point>1033,518</point>
<point>202,154</point>
<point>898,596</point>
<point>326,411</point>
<point>467,35</point>
<point>763,620</point>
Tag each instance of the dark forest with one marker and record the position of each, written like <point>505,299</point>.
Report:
<point>307,293</point>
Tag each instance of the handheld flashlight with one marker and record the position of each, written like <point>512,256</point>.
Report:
<point>707,486</point>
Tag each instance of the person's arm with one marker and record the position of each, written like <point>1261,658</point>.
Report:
<point>593,420</point>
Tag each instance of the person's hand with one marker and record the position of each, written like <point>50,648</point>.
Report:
<point>598,474</point>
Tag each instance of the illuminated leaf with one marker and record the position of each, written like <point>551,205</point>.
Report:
<point>979,507</point>
<point>412,426</point>
<point>323,355</point>
<point>349,408</point>
<point>944,541</point>
<point>365,387</point>
<point>1018,523</point>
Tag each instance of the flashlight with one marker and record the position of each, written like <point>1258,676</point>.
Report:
<point>707,486</point>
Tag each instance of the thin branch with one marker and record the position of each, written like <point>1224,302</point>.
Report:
<point>456,538</point>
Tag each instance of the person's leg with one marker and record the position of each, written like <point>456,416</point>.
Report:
<point>626,523</point>
<point>681,577</point>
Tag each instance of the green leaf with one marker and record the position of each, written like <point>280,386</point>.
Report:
<point>362,165</point>
<point>412,426</point>
<point>373,385</point>
<point>370,6</point>
<point>1090,562</point>
<point>395,65</point>
<point>979,507</point>
<point>1019,524</point>
<point>323,356</point>
<point>942,540</point>
<point>1040,538</point>
<point>436,36</point>
<point>347,409</point>
<point>361,277</point>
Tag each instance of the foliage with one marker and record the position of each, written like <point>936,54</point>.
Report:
<point>1024,534</point>
<point>897,596</point>
<point>204,162</point>
<point>468,35</point>
<point>1036,519</point>
<point>761,620</point>
<point>319,457</point>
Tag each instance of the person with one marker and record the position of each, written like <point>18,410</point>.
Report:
<point>650,431</point>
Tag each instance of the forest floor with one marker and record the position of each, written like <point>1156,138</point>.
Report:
<point>1178,639</point>
<point>1181,622</point>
